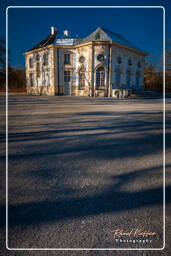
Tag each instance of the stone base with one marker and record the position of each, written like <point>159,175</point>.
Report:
<point>41,91</point>
<point>120,93</point>
<point>100,93</point>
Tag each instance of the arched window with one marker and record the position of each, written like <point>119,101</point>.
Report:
<point>137,84</point>
<point>82,78</point>
<point>100,78</point>
<point>128,79</point>
<point>117,77</point>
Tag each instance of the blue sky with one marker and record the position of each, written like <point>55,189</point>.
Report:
<point>143,26</point>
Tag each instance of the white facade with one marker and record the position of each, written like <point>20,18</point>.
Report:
<point>92,66</point>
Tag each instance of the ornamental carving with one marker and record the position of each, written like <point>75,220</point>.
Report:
<point>100,47</point>
<point>81,50</point>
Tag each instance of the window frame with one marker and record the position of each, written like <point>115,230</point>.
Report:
<point>81,77</point>
<point>83,59</point>
<point>128,79</point>
<point>118,77</point>
<point>31,62</point>
<point>38,70</point>
<point>100,78</point>
<point>67,62</point>
<point>100,57</point>
<point>31,79</point>
<point>137,79</point>
<point>67,76</point>
<point>45,59</point>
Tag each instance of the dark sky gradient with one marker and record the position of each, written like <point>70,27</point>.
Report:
<point>143,27</point>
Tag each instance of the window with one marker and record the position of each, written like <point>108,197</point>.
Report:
<point>117,77</point>
<point>38,69</point>
<point>119,60</point>
<point>45,59</point>
<point>37,57</point>
<point>129,62</point>
<point>81,59</point>
<point>137,79</point>
<point>81,78</point>
<point>31,62</point>
<point>100,78</point>
<point>117,94</point>
<point>128,79</point>
<point>31,80</point>
<point>67,76</point>
<point>67,58</point>
<point>46,79</point>
<point>139,64</point>
<point>100,57</point>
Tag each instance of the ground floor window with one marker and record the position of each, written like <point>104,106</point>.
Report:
<point>100,78</point>
<point>82,78</point>
<point>137,79</point>
<point>31,80</point>
<point>67,76</point>
<point>117,77</point>
<point>46,79</point>
<point>38,69</point>
<point>128,79</point>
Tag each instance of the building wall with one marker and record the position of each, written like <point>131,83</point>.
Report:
<point>42,75</point>
<point>126,56</point>
<point>51,80</point>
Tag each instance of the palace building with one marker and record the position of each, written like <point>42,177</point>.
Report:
<point>102,64</point>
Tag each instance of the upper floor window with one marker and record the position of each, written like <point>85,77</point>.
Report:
<point>37,57</point>
<point>100,57</point>
<point>139,64</point>
<point>45,59</point>
<point>31,62</point>
<point>119,60</point>
<point>81,59</point>
<point>129,62</point>
<point>67,58</point>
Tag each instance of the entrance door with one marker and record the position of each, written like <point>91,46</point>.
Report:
<point>67,82</point>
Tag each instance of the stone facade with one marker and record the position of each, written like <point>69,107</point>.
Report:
<point>98,66</point>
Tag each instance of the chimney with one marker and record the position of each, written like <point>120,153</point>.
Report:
<point>67,33</point>
<point>53,30</point>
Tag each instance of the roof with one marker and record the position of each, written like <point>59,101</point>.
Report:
<point>100,34</point>
<point>50,39</point>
